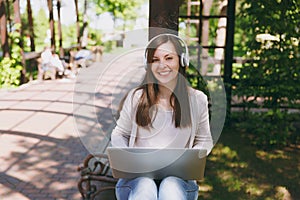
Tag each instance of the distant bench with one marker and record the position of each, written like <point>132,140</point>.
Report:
<point>35,62</point>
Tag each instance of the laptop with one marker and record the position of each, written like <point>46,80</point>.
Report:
<point>188,164</point>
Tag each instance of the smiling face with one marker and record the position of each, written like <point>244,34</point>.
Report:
<point>165,65</point>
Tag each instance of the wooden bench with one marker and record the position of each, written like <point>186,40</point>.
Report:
<point>96,181</point>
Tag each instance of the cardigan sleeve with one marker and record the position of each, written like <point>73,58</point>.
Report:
<point>203,138</point>
<point>121,133</point>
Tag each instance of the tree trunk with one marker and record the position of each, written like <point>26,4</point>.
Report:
<point>8,16</point>
<point>77,23</point>
<point>61,51</point>
<point>84,39</point>
<point>52,27</point>
<point>164,16</point>
<point>3,30</point>
<point>17,20</point>
<point>30,23</point>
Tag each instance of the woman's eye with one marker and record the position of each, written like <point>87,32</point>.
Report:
<point>169,58</point>
<point>155,60</point>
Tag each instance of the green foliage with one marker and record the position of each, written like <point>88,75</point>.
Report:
<point>69,35</point>
<point>95,37</point>
<point>274,71</point>
<point>121,9</point>
<point>271,78</point>
<point>196,80</point>
<point>41,24</point>
<point>9,73</point>
<point>10,67</point>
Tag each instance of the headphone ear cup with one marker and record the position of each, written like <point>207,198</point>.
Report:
<point>183,60</point>
<point>145,61</point>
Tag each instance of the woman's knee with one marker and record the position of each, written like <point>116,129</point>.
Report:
<point>170,182</point>
<point>177,188</point>
<point>145,181</point>
<point>141,187</point>
<point>145,188</point>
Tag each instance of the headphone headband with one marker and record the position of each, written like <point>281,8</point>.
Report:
<point>184,57</point>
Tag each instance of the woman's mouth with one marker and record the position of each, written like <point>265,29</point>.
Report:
<point>164,73</point>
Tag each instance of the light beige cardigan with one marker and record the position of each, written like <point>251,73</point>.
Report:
<point>125,132</point>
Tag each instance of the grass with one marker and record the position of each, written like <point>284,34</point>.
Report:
<point>236,169</point>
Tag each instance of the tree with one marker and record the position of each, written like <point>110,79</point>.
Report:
<point>271,78</point>
<point>8,15</point>
<point>3,30</point>
<point>31,26</point>
<point>51,22</point>
<point>77,22</point>
<point>43,29</point>
<point>18,26</point>
<point>61,51</point>
<point>10,65</point>
<point>84,38</point>
<point>273,46</point>
<point>122,9</point>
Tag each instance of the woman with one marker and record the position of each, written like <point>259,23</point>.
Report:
<point>163,112</point>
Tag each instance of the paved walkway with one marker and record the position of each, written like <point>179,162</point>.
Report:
<point>48,127</point>
<point>39,147</point>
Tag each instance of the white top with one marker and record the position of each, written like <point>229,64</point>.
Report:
<point>163,133</point>
<point>128,134</point>
<point>46,56</point>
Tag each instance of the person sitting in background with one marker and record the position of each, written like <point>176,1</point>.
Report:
<point>57,63</point>
<point>46,58</point>
<point>82,56</point>
<point>51,63</point>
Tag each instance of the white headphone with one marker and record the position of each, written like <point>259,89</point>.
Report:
<point>184,57</point>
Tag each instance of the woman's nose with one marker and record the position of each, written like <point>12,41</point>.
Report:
<point>162,63</point>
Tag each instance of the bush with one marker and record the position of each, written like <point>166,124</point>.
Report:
<point>10,67</point>
<point>9,73</point>
<point>270,79</point>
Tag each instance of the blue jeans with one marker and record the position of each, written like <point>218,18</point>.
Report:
<point>148,189</point>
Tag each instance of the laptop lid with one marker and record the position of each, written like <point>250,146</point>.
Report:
<point>188,164</point>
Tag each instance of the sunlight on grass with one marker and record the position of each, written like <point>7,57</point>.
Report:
<point>223,151</point>
<point>230,180</point>
<point>236,169</point>
<point>205,188</point>
<point>282,193</point>
<point>255,189</point>
<point>224,154</point>
<point>267,156</point>
<point>238,164</point>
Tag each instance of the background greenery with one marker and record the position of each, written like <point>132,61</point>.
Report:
<point>270,80</point>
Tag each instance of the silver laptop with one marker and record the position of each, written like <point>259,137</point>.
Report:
<point>188,164</point>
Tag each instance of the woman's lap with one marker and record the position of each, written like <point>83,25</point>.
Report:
<point>147,189</point>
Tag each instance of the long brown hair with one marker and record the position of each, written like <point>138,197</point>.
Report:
<point>179,99</point>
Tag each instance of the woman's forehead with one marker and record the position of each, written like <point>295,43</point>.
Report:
<point>166,48</point>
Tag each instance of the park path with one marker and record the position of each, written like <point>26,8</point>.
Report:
<point>47,128</point>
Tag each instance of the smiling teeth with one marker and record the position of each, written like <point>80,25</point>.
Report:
<point>164,73</point>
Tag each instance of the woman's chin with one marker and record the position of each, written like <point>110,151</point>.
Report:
<point>167,81</point>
